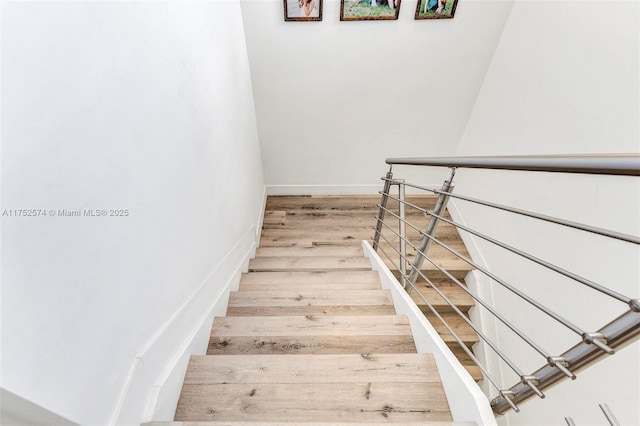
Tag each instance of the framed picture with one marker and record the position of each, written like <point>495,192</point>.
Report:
<point>436,9</point>
<point>302,10</point>
<point>365,10</point>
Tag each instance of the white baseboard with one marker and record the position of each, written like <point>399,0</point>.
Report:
<point>154,382</point>
<point>466,400</point>
<point>260,221</point>
<point>337,189</point>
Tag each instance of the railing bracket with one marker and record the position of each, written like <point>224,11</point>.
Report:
<point>598,339</point>
<point>561,364</point>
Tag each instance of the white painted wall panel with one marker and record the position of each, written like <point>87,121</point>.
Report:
<point>564,80</point>
<point>334,99</point>
<point>145,106</point>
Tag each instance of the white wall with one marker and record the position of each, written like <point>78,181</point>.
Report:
<point>145,106</point>
<point>334,99</point>
<point>564,79</point>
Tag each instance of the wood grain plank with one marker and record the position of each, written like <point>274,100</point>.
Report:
<point>266,344</point>
<point>373,325</point>
<point>351,203</point>
<point>335,368</point>
<point>456,295</point>
<point>294,263</point>
<point>445,232</point>
<point>304,287</point>
<point>274,218</point>
<point>306,302</point>
<point>363,402</point>
<point>310,277</point>
<point>316,310</point>
<point>310,298</point>
<point>337,251</point>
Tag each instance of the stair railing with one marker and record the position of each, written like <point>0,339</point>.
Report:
<point>592,344</point>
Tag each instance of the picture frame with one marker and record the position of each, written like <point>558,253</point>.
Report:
<point>436,9</point>
<point>302,10</point>
<point>369,10</point>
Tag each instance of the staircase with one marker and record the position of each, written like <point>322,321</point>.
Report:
<point>310,336</point>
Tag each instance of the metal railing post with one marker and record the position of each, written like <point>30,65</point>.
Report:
<point>402,226</point>
<point>383,205</point>
<point>431,229</point>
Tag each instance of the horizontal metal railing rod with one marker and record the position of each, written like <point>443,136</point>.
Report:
<point>570,224</point>
<point>556,361</point>
<point>595,286</point>
<point>529,381</point>
<point>632,303</point>
<point>399,218</point>
<point>563,321</point>
<point>395,265</point>
<point>479,300</point>
<point>475,328</point>
<point>503,393</point>
<point>442,320</point>
<point>618,333</point>
<point>612,164</point>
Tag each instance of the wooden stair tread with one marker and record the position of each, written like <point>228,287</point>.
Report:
<point>315,220</point>
<point>456,295</point>
<point>311,334</point>
<point>311,338</point>
<point>444,233</point>
<point>334,368</point>
<point>306,297</point>
<point>311,302</point>
<point>310,277</point>
<point>294,263</point>
<point>340,203</point>
<point>346,251</point>
<point>372,325</point>
<point>463,330</point>
<point>369,402</point>
<point>335,287</point>
<point>474,371</point>
<point>323,344</point>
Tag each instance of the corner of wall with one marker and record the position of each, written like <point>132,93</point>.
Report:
<point>459,146</point>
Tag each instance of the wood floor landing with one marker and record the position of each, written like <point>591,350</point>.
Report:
<point>311,338</point>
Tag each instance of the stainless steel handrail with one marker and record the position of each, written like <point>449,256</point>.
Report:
<point>603,164</point>
<point>593,345</point>
<point>558,221</point>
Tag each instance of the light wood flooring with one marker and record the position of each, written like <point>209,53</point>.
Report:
<point>311,338</point>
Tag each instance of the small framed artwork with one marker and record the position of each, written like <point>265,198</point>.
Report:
<point>302,10</point>
<point>436,9</point>
<point>366,10</point>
